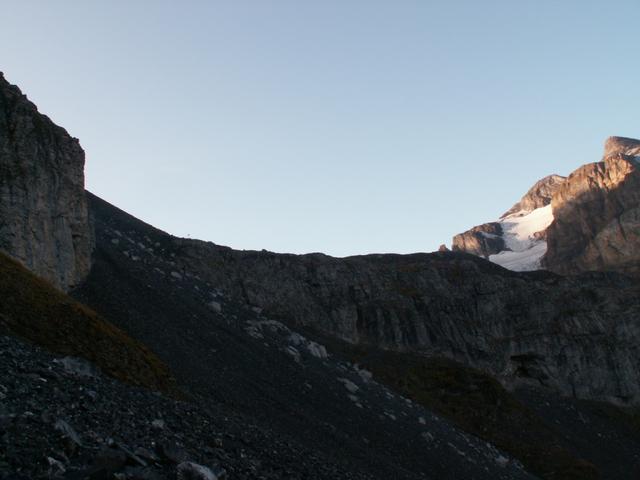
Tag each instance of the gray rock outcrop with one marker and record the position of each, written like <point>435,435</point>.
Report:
<point>44,221</point>
<point>577,336</point>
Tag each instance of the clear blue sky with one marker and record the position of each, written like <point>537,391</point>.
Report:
<point>337,126</point>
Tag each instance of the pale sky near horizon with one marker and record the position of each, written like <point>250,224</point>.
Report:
<point>345,127</point>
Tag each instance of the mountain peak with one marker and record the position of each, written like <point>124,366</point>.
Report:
<point>621,145</point>
<point>537,196</point>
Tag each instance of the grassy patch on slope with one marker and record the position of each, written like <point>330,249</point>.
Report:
<point>475,402</point>
<point>33,309</point>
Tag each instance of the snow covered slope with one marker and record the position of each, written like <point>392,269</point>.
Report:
<point>523,236</point>
<point>517,240</point>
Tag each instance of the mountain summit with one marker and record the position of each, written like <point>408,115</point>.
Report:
<point>517,240</point>
<point>597,214</point>
<point>587,221</point>
<point>621,145</point>
<point>538,196</point>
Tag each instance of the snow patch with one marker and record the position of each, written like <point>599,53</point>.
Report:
<point>519,229</point>
<point>523,261</point>
<point>524,250</point>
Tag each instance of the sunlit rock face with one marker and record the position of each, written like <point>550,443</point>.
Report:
<point>538,196</point>
<point>44,221</point>
<point>588,221</point>
<point>597,214</point>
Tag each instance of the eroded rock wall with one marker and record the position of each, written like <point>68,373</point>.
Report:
<point>44,221</point>
<point>597,214</point>
<point>576,335</point>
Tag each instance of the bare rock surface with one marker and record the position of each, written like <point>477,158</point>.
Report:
<point>577,336</point>
<point>44,221</point>
<point>594,221</point>
<point>258,349</point>
<point>240,355</point>
<point>483,240</point>
<point>54,424</point>
<point>621,145</point>
<point>538,196</point>
<point>597,214</point>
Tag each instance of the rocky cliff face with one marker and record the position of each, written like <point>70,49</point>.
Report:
<point>482,240</point>
<point>546,330</point>
<point>597,214</point>
<point>43,212</point>
<point>577,336</point>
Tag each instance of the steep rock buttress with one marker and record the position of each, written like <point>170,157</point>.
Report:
<point>44,220</point>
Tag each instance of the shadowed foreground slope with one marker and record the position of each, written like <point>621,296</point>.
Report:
<point>222,345</point>
<point>33,309</point>
<point>552,436</point>
<point>228,353</point>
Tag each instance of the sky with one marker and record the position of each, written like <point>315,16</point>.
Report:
<point>344,127</point>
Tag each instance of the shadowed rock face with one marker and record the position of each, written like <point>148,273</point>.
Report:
<point>43,212</point>
<point>578,336</point>
<point>483,240</point>
<point>549,331</point>
<point>597,214</point>
<point>492,238</point>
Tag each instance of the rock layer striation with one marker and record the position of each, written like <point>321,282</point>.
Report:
<point>576,335</point>
<point>44,221</point>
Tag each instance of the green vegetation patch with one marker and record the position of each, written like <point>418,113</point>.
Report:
<point>34,310</point>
